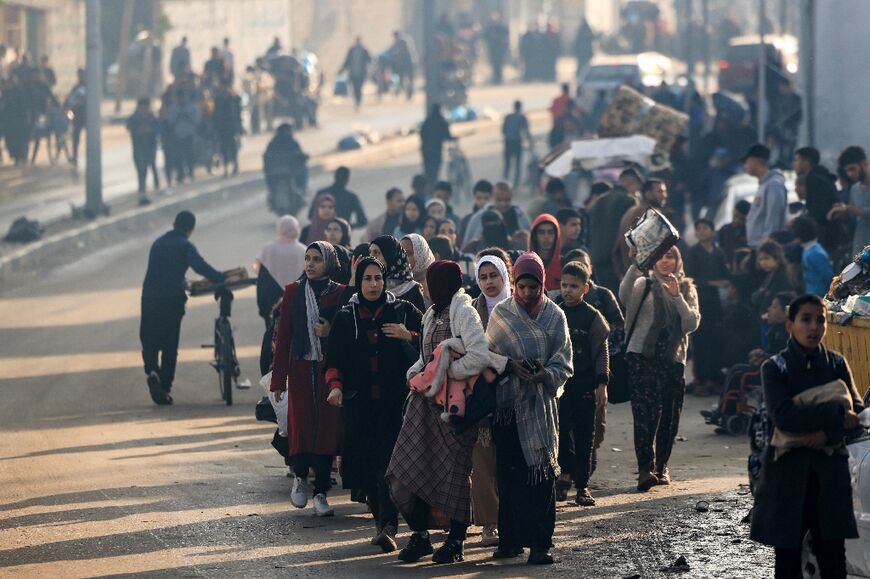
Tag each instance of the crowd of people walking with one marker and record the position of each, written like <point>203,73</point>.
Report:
<point>461,367</point>
<point>540,312</point>
<point>31,111</point>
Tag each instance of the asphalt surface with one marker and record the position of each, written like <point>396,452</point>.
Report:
<point>95,480</point>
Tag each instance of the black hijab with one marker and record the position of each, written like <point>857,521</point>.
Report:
<point>395,258</point>
<point>406,226</point>
<point>361,266</point>
<point>341,274</point>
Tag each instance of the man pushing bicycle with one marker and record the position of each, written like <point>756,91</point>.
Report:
<point>163,299</point>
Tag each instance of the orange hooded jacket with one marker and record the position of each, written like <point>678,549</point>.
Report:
<point>553,267</point>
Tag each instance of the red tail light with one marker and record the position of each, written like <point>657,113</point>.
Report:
<point>724,64</point>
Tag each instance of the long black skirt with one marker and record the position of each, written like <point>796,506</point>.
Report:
<point>526,507</point>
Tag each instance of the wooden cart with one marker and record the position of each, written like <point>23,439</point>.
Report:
<point>853,341</point>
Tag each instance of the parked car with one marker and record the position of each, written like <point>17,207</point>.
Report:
<point>857,550</point>
<point>136,52</point>
<point>738,66</point>
<point>645,70</point>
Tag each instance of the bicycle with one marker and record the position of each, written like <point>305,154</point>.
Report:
<point>225,362</point>
<point>458,172</point>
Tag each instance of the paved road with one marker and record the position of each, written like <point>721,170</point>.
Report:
<point>45,193</point>
<point>96,480</point>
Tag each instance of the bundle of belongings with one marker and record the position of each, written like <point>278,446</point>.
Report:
<point>854,280</point>
<point>653,235</point>
<point>631,113</point>
<point>835,391</point>
<point>24,230</point>
<point>233,276</point>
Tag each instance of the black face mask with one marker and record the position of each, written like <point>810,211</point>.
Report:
<point>494,233</point>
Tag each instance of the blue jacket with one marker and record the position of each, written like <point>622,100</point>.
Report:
<point>817,270</point>
<point>170,256</point>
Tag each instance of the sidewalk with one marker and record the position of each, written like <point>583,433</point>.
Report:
<point>47,193</point>
<point>67,239</point>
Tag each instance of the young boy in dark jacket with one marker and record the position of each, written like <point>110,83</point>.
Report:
<point>586,390</point>
<point>807,488</point>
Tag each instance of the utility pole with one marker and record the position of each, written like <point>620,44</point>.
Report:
<point>783,17</point>
<point>689,31</point>
<point>761,106</point>
<point>94,70</point>
<point>126,22</point>
<point>430,55</point>
<point>807,57</point>
<point>705,15</point>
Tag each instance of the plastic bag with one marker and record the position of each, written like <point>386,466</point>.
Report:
<point>279,407</point>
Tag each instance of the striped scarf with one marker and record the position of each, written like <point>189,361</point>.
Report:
<point>512,333</point>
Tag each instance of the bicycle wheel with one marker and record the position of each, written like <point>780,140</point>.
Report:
<point>226,373</point>
<point>224,360</point>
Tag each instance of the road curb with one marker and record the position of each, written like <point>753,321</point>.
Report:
<point>66,246</point>
<point>63,247</point>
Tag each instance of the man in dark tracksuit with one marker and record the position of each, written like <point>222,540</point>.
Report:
<point>163,299</point>
<point>144,131</point>
<point>347,203</point>
<point>433,133</point>
<point>586,389</point>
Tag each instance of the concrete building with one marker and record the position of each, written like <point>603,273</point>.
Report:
<point>325,27</point>
<point>46,27</point>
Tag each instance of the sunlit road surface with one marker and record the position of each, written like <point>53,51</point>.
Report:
<point>96,480</point>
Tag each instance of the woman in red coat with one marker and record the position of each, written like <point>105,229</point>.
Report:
<point>314,427</point>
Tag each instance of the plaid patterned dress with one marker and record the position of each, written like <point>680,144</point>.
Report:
<point>430,460</point>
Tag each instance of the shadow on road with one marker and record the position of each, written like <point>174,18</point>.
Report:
<point>606,541</point>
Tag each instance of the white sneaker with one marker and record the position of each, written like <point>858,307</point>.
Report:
<point>489,537</point>
<point>321,506</point>
<point>299,494</point>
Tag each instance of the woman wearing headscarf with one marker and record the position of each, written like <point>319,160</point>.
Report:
<point>419,256</point>
<point>314,426</point>
<point>531,333</point>
<point>400,280</point>
<point>429,471</point>
<point>324,213</point>
<point>413,216</point>
<point>338,232</point>
<point>662,308</point>
<point>430,227</point>
<point>493,278</point>
<point>366,363</point>
<point>342,273</point>
<point>436,208</point>
<point>280,263</point>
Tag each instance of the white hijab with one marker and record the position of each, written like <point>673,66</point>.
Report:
<point>285,256</point>
<point>502,271</point>
<point>423,256</point>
